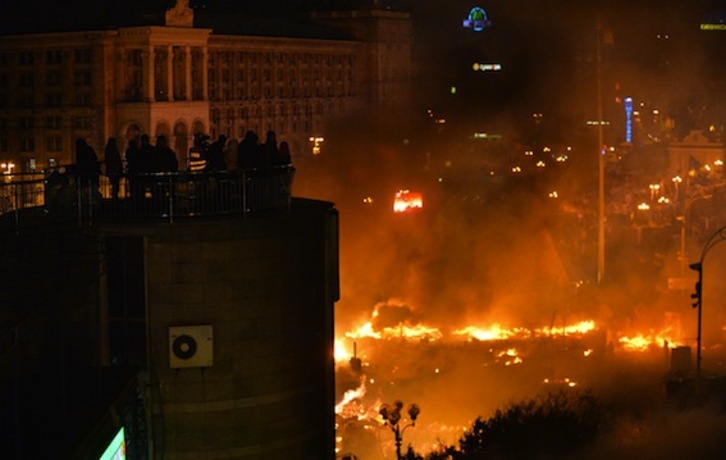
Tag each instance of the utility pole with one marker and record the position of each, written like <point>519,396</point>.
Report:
<point>697,296</point>
<point>600,160</point>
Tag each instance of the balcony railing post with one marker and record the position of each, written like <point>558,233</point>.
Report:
<point>171,194</point>
<point>17,210</point>
<point>79,201</point>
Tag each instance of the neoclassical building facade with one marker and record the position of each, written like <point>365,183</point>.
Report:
<point>179,80</point>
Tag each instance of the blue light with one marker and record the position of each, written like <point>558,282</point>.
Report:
<point>629,120</point>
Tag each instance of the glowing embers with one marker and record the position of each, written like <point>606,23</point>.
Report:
<point>509,356</point>
<point>407,201</point>
<point>561,382</point>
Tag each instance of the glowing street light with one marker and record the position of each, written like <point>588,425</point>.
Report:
<point>392,418</point>
<point>317,142</point>
<point>7,168</point>
<point>654,190</point>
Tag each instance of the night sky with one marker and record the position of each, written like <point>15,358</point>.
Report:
<point>539,43</point>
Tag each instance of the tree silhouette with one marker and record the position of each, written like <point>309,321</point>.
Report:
<point>548,426</point>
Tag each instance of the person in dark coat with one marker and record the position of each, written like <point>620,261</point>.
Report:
<point>248,152</point>
<point>166,158</point>
<point>215,156</point>
<point>270,150</point>
<point>114,166</point>
<point>87,164</point>
<point>283,154</point>
<point>147,155</point>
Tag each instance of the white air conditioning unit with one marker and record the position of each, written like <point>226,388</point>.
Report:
<point>191,346</point>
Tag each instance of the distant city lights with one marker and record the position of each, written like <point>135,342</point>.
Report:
<point>479,67</point>
<point>713,26</point>
<point>486,136</point>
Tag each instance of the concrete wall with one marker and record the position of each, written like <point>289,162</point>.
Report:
<point>264,287</point>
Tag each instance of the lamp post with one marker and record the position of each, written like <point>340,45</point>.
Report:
<point>392,417</point>
<point>684,219</point>
<point>717,237</point>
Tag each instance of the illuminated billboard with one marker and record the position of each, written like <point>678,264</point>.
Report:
<point>477,19</point>
<point>629,119</point>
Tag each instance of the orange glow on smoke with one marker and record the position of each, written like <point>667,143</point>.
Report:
<point>407,201</point>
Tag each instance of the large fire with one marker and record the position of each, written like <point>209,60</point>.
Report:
<point>399,350</point>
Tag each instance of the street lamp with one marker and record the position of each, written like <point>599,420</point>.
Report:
<point>697,296</point>
<point>392,417</point>
<point>317,142</point>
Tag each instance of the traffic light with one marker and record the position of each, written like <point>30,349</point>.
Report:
<point>696,296</point>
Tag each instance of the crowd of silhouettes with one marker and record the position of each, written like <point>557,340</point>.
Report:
<point>248,153</point>
<point>141,157</point>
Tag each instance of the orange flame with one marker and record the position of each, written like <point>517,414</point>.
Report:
<point>340,352</point>
<point>348,397</point>
<point>418,331</point>
<point>493,332</point>
<point>407,201</point>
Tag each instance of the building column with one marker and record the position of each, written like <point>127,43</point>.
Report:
<point>170,77</point>
<point>188,73</point>
<point>147,68</point>
<point>205,73</point>
<point>121,84</point>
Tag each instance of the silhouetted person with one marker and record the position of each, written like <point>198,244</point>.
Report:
<point>215,155</point>
<point>198,154</point>
<point>147,155</point>
<point>132,157</point>
<point>86,164</point>
<point>165,156</point>
<point>283,154</point>
<point>248,153</point>
<point>114,166</point>
<point>284,159</point>
<point>269,149</point>
<point>232,152</point>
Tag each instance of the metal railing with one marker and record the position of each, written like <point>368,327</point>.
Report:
<point>61,195</point>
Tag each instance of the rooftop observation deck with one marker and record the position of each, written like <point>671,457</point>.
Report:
<point>61,196</point>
